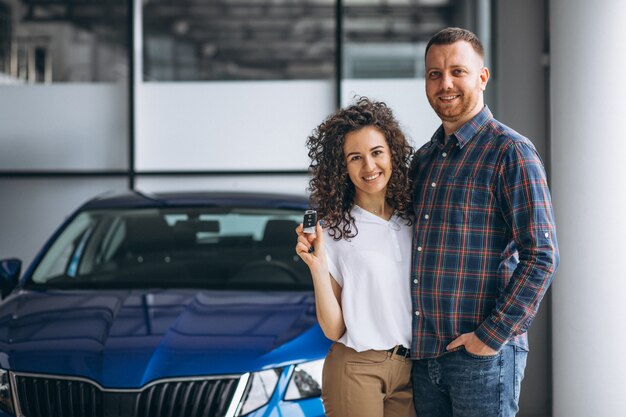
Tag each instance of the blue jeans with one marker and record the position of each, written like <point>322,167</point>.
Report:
<point>459,384</point>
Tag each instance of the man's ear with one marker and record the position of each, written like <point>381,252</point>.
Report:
<point>484,78</point>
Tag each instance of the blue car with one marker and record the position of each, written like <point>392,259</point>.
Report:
<point>171,304</point>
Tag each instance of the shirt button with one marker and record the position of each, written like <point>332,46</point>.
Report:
<point>434,184</point>
<point>426,216</point>
<point>547,234</point>
<point>417,313</point>
<point>419,248</point>
<point>415,281</point>
<point>444,154</point>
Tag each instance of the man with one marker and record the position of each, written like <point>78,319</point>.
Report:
<point>484,249</point>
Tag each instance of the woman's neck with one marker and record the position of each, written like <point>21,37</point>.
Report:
<point>377,206</point>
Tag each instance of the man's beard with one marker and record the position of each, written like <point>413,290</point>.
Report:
<point>453,113</point>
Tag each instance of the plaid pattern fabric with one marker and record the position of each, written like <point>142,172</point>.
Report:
<point>484,248</point>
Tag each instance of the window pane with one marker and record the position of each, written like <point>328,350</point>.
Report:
<point>5,40</point>
<point>63,41</point>
<point>259,79</point>
<point>383,58</point>
<point>387,38</point>
<point>79,122</point>
<point>238,40</point>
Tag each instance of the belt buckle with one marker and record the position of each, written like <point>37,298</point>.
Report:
<point>402,351</point>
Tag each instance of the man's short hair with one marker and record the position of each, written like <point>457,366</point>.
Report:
<point>451,35</point>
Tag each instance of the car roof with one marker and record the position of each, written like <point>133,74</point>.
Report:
<point>137,199</point>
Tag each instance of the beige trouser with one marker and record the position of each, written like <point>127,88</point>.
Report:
<point>374,383</point>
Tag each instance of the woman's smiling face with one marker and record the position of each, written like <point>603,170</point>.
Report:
<point>368,160</point>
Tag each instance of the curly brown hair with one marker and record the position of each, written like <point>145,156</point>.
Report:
<point>332,191</point>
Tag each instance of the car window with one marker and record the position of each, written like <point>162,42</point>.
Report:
<point>57,259</point>
<point>229,248</point>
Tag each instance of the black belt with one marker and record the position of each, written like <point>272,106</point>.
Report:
<point>400,351</point>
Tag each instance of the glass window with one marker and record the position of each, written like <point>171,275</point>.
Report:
<point>258,77</point>
<point>63,256</point>
<point>198,40</point>
<point>384,45</point>
<point>5,40</point>
<point>64,41</point>
<point>64,85</point>
<point>386,39</point>
<point>228,247</point>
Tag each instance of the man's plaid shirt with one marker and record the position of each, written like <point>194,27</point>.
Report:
<point>484,248</point>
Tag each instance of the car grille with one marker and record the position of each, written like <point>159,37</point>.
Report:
<point>44,396</point>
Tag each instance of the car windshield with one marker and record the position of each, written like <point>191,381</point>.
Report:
<point>227,248</point>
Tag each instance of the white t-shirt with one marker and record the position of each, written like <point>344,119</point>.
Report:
<point>373,270</point>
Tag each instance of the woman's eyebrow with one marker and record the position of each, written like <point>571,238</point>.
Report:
<point>358,153</point>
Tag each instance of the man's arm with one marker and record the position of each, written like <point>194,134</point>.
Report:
<point>527,208</point>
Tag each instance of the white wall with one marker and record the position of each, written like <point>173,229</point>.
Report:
<point>63,127</point>
<point>589,168</point>
<point>221,126</point>
<point>289,184</point>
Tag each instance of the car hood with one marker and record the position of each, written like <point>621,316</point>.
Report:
<point>127,338</point>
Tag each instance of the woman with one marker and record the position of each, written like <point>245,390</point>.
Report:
<point>360,260</point>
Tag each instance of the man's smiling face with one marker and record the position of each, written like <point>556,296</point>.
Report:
<point>455,81</point>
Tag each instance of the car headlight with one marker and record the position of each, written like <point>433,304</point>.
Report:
<point>259,390</point>
<point>306,381</point>
<point>6,397</point>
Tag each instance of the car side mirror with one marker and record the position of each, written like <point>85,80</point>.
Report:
<point>10,270</point>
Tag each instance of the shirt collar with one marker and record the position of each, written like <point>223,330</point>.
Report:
<point>466,132</point>
<point>365,216</point>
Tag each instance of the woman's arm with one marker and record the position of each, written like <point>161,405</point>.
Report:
<point>327,290</point>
